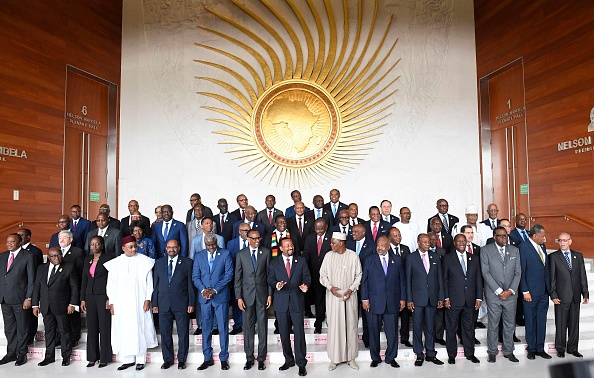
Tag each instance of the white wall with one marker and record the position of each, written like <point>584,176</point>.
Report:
<point>428,150</point>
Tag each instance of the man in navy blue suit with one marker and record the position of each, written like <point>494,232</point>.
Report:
<point>386,208</point>
<point>79,224</point>
<point>173,298</point>
<point>212,273</point>
<point>343,225</point>
<point>167,230</point>
<point>64,224</point>
<point>492,222</point>
<point>376,227</point>
<point>250,218</point>
<point>519,234</point>
<point>424,286</point>
<point>535,285</point>
<point>383,292</point>
<point>224,220</point>
<point>334,206</point>
<point>289,276</point>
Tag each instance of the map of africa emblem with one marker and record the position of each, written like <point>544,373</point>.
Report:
<point>313,105</point>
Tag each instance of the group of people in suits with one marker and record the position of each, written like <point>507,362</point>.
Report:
<point>256,260</point>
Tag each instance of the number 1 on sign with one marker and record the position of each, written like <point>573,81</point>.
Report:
<point>509,104</point>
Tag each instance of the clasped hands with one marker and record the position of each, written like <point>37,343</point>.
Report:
<point>344,297</point>
<point>208,293</point>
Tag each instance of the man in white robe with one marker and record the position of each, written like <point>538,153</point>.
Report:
<point>341,274</point>
<point>129,289</point>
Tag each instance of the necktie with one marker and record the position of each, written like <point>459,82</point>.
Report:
<point>245,244</point>
<point>374,231</point>
<point>444,220</point>
<point>344,230</point>
<point>222,222</point>
<point>463,264</point>
<point>319,245</point>
<point>387,218</point>
<point>470,249</point>
<point>63,250</point>
<point>170,270</point>
<point>270,216</point>
<point>52,273</point>
<point>288,267</point>
<point>397,250</point>
<point>254,258</point>
<point>493,225</point>
<point>101,231</point>
<point>439,240</point>
<point>242,215</point>
<point>211,261</point>
<point>524,235</point>
<point>352,222</point>
<point>425,262</point>
<point>193,216</point>
<point>300,227</point>
<point>74,225</point>
<point>10,261</point>
<point>358,247</point>
<point>541,255</point>
<point>502,253</point>
<point>166,231</point>
<point>334,210</point>
<point>385,265</point>
<point>319,213</point>
<point>566,254</point>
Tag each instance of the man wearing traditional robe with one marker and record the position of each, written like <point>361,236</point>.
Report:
<point>341,274</point>
<point>129,289</point>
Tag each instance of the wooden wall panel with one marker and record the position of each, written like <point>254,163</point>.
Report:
<point>39,39</point>
<point>554,39</point>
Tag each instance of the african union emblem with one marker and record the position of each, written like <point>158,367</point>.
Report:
<point>302,119</point>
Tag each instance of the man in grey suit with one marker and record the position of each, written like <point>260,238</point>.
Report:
<point>254,296</point>
<point>500,264</point>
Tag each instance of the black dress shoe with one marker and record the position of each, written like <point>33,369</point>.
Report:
<point>531,356</point>
<point>577,354</point>
<point>261,365</point>
<point>91,364</point>
<point>318,330</point>
<point>473,359</point>
<point>102,365</point>
<point>476,342</point>
<point>181,365</point>
<point>406,343</point>
<point>374,364</point>
<point>286,366</point>
<point>215,331</point>
<point>366,344</point>
<point>248,365</point>
<point>46,362</point>
<point>167,364</point>
<point>225,365</point>
<point>516,340</point>
<point>434,360</point>
<point>511,357</point>
<point>480,325</point>
<point>561,354</point>
<point>394,364</point>
<point>6,359</point>
<point>491,358</point>
<point>451,360</point>
<point>419,362</point>
<point>302,371</point>
<point>21,360</point>
<point>66,362</point>
<point>198,331</point>
<point>236,331</point>
<point>521,322</point>
<point>205,365</point>
<point>126,366</point>
<point>544,355</point>
<point>440,341</point>
<point>139,367</point>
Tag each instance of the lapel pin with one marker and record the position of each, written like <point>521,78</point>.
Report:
<point>392,261</point>
<point>469,258</point>
<point>68,253</point>
<point>59,270</point>
<point>178,262</point>
<point>295,260</point>
<point>574,257</point>
<point>218,254</point>
<point>430,257</point>
<point>260,252</point>
<point>91,262</point>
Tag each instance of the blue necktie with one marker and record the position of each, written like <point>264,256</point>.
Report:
<point>211,261</point>
<point>358,247</point>
<point>385,265</point>
<point>319,213</point>
<point>566,254</point>
<point>254,259</point>
<point>524,235</point>
<point>170,270</point>
<point>166,232</point>
<point>463,264</point>
<point>334,210</point>
<point>245,244</point>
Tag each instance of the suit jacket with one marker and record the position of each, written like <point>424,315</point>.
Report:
<point>218,279</point>
<point>535,275</point>
<point>461,289</point>
<point>83,226</point>
<point>206,213</point>
<point>17,283</point>
<point>262,217</point>
<point>75,256</point>
<point>367,249</point>
<point>498,273</point>
<point>60,291</point>
<point>487,222</point>
<point>37,255</point>
<point>235,245</point>
<point>249,283</point>
<point>112,222</point>
<point>424,289</point>
<point>260,227</point>
<point>237,214</point>
<point>226,230</point>
<point>312,215</point>
<point>310,252</point>
<point>274,250</point>
<point>393,219</point>
<point>178,294</point>
<point>94,285</point>
<point>77,240</point>
<point>177,231</point>
<point>492,240</point>
<point>341,206</point>
<point>447,241</point>
<point>125,226</point>
<point>290,211</point>
<point>293,227</point>
<point>568,285</point>
<point>113,246</point>
<point>383,228</point>
<point>338,228</point>
<point>516,237</point>
<point>196,245</point>
<point>404,253</point>
<point>384,291</point>
<point>290,298</point>
<point>452,220</point>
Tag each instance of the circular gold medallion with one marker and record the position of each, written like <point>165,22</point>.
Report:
<point>296,124</point>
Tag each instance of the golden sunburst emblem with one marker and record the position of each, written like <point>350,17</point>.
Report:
<point>303,119</point>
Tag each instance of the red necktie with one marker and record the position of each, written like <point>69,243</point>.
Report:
<point>288,267</point>
<point>270,216</point>
<point>222,222</point>
<point>10,261</point>
<point>374,232</point>
<point>242,215</point>
<point>470,249</point>
<point>73,225</point>
<point>300,228</point>
<point>439,241</point>
<point>319,245</point>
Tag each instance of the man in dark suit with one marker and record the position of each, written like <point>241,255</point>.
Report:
<point>195,199</point>
<point>492,220</point>
<point>383,292</point>
<point>16,290</point>
<point>299,226</point>
<point>463,291</point>
<point>296,197</point>
<point>64,224</point>
<point>173,299</point>
<point>505,223</point>
<point>376,227</point>
<point>169,229</point>
<point>254,297</point>
<point>109,234</point>
<point>343,225</point>
<point>334,206</point>
<point>289,277</point>
<point>398,249</point>
<point>212,273</point>
<point>353,211</point>
<point>272,240</point>
<point>75,256</point>
<point>535,287</point>
<point>250,218</point>
<point>242,202</point>
<point>127,220</point>
<point>79,224</point>
<point>55,294</point>
<point>424,285</point>
<point>444,239</point>
<point>447,220</point>
<point>386,209</point>
<point>519,234</point>
<point>267,215</point>
<point>224,221</point>
<point>234,246</point>
<point>25,234</point>
<point>316,246</point>
<point>318,211</point>
<point>568,284</point>
<point>112,222</point>
<point>440,312</point>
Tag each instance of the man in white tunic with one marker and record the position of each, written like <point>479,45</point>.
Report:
<point>341,274</point>
<point>129,289</point>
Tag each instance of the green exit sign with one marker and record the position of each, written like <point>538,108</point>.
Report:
<point>95,197</point>
<point>523,188</point>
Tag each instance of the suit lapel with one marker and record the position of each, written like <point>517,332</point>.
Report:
<point>55,276</point>
<point>18,258</point>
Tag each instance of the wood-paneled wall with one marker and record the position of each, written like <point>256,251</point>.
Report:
<point>555,40</point>
<point>39,38</point>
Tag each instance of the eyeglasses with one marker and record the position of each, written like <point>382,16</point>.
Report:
<point>564,240</point>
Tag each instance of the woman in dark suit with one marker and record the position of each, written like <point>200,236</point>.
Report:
<point>95,303</point>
